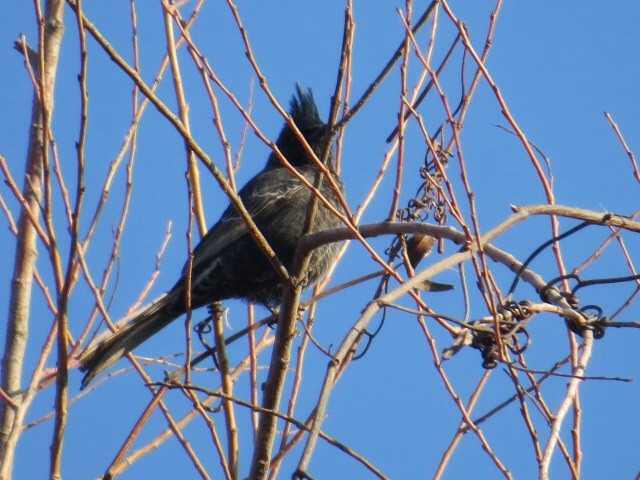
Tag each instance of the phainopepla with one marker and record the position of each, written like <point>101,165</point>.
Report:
<point>228,263</point>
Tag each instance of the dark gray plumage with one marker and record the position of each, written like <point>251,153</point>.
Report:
<point>227,263</point>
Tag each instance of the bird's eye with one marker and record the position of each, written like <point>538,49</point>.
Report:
<point>314,134</point>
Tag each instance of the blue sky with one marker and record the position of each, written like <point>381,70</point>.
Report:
<point>559,66</point>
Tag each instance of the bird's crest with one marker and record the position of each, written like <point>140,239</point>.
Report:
<point>304,110</point>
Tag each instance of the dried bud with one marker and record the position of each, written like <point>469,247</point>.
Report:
<point>431,286</point>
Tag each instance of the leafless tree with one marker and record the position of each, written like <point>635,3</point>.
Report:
<point>501,298</point>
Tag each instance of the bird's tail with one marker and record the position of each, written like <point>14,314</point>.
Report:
<point>110,347</point>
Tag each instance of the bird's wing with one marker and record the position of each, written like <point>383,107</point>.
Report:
<point>269,193</point>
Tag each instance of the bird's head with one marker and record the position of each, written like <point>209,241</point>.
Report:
<point>304,113</point>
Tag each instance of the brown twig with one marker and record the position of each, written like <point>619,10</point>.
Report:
<point>632,158</point>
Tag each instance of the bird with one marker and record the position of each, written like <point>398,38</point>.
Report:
<point>227,262</point>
